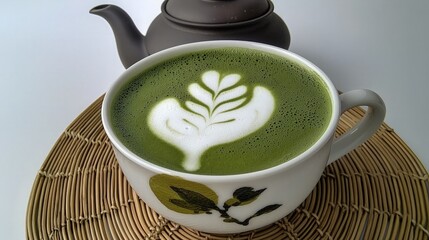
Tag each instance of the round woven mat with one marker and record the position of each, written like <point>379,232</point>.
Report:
<point>378,191</point>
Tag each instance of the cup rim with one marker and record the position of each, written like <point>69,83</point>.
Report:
<point>169,53</point>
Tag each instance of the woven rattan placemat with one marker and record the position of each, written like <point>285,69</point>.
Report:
<point>378,191</point>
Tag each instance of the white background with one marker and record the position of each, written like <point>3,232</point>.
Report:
<point>56,59</point>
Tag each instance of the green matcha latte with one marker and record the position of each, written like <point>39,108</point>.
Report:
<point>222,111</point>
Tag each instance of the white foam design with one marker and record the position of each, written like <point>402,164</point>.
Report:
<point>215,116</point>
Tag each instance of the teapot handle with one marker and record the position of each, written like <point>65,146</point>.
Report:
<point>364,129</point>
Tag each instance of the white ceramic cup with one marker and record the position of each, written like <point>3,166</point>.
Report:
<point>242,202</point>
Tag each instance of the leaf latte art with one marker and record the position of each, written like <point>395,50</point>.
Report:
<point>219,113</point>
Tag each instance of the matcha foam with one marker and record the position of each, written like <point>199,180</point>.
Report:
<point>297,116</point>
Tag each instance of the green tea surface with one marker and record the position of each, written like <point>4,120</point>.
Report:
<point>301,113</point>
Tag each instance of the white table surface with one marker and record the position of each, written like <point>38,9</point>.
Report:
<point>56,59</point>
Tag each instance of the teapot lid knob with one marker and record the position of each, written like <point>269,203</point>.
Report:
<point>216,11</point>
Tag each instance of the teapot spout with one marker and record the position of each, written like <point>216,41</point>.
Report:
<point>129,41</point>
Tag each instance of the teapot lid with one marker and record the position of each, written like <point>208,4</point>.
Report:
<point>216,11</point>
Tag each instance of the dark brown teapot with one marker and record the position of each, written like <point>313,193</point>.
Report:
<point>185,21</point>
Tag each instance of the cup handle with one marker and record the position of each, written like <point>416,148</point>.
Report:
<point>364,129</point>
